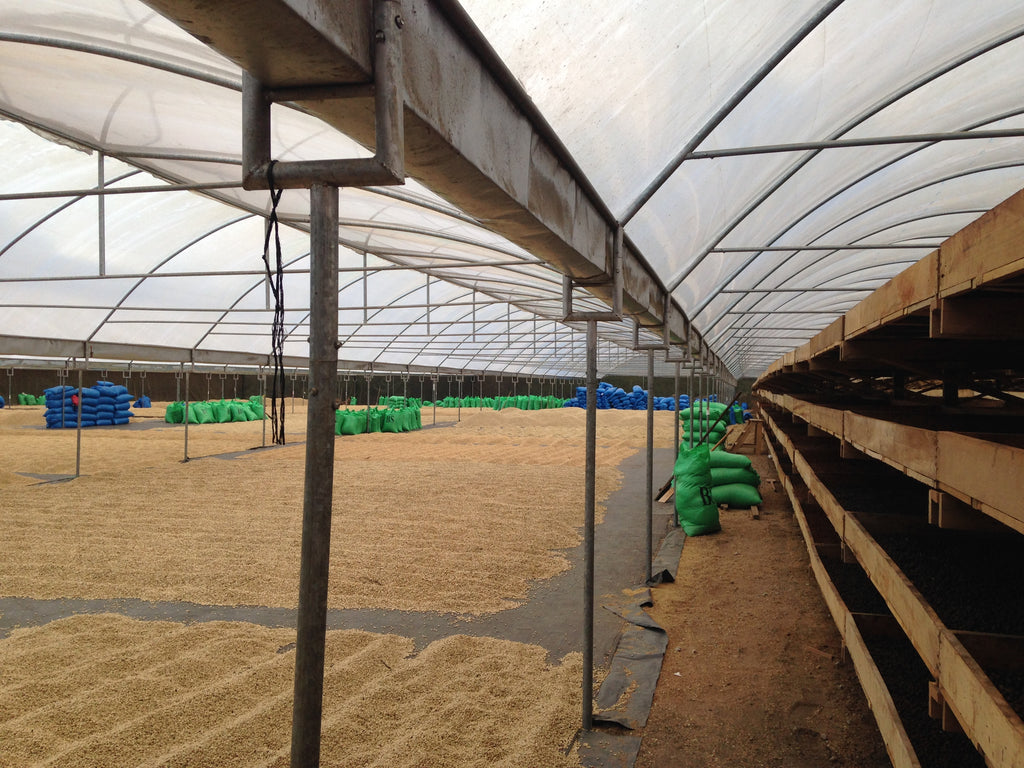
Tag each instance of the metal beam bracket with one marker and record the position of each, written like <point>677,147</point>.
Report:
<point>385,168</point>
<point>568,282</point>
<point>638,347</point>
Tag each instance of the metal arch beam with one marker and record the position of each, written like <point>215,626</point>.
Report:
<point>812,247</point>
<point>874,141</point>
<point>107,191</point>
<point>819,287</point>
<point>798,289</point>
<point>94,49</point>
<point>877,205</point>
<point>732,329</point>
<point>49,215</point>
<point>695,141</point>
<point>138,283</point>
<point>920,82</point>
<point>425,317</point>
<point>475,140</point>
<point>436,235</point>
<point>941,180</point>
<point>704,304</point>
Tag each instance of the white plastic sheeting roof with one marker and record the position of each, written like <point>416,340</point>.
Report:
<point>701,127</point>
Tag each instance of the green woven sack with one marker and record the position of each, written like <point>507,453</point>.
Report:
<point>175,413</point>
<point>730,475</point>
<point>203,413</point>
<point>695,505</point>
<point>353,422</point>
<point>374,419</point>
<point>722,458</point>
<point>256,403</point>
<point>389,422</point>
<point>738,495</point>
<point>221,412</point>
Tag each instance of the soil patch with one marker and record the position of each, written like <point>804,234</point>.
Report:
<point>752,675</point>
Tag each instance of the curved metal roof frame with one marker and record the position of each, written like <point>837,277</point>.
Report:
<point>796,193</point>
<point>498,266</point>
<point>1007,27</point>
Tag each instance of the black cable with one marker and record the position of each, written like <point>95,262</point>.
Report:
<point>276,281</point>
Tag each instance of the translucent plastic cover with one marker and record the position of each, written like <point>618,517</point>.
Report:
<point>773,162</point>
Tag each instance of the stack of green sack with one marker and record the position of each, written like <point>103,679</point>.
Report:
<point>24,398</point>
<point>702,415</point>
<point>398,401</point>
<point>348,422</point>
<point>696,508</point>
<point>734,481</point>
<point>703,479</point>
<point>216,411</point>
<point>523,402</point>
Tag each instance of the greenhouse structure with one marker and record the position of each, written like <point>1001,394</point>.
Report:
<point>809,212</point>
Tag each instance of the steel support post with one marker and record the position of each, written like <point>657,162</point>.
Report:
<point>263,404</point>
<point>319,481</point>
<point>78,431</point>
<point>588,528</point>
<point>675,412</point>
<point>675,431</point>
<point>650,463</point>
<point>185,457</point>
<point>692,391</point>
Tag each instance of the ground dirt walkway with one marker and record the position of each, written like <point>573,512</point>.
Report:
<point>752,676</point>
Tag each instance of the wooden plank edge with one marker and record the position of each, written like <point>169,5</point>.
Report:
<point>986,717</point>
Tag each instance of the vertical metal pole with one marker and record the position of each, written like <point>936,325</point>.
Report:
<point>702,392</point>
<point>434,383</point>
<point>675,394</point>
<point>459,412</point>
<point>263,401</point>
<point>366,292</point>
<point>78,432</point>
<point>675,430</point>
<point>650,462</point>
<point>101,224</point>
<point>588,528</point>
<point>319,480</point>
<point>692,392</point>
<point>186,416</point>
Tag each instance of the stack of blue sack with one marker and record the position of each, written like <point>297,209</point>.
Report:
<point>103,405</point>
<point>143,402</point>
<point>113,403</point>
<point>637,398</point>
<point>609,396</point>
<point>580,401</point>
<point>61,410</point>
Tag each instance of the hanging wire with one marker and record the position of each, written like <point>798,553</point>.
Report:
<point>276,280</point>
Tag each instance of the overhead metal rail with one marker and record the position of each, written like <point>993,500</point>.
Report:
<point>551,210</point>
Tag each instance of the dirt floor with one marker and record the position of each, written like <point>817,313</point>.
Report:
<point>753,675</point>
<point>454,526</point>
